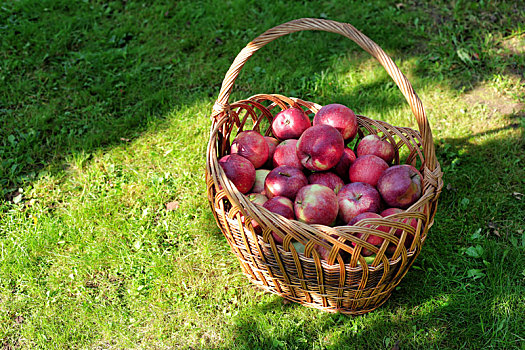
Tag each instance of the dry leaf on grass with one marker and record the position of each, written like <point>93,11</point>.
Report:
<point>172,206</point>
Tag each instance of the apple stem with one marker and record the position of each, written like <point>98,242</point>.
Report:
<point>284,174</point>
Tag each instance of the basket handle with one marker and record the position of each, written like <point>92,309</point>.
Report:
<point>349,31</point>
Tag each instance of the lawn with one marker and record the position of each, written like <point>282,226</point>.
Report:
<point>106,236</point>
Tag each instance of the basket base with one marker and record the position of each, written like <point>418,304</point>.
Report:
<point>353,308</point>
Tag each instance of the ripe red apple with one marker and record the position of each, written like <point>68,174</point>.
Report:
<point>284,181</point>
<point>346,160</point>
<point>272,144</point>
<point>252,146</point>
<point>367,168</point>
<point>328,179</point>
<point>320,147</point>
<point>290,123</point>
<point>356,198</point>
<point>316,204</point>
<point>257,198</point>
<point>286,154</point>
<point>323,252</point>
<point>239,170</point>
<point>260,177</point>
<point>400,186</point>
<point>375,240</point>
<point>282,206</point>
<point>412,222</point>
<point>340,117</point>
<point>373,144</point>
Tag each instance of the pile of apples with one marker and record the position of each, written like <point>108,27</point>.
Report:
<point>308,173</point>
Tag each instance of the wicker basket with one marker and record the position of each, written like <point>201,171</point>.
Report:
<point>344,282</point>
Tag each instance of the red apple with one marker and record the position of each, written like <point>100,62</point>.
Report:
<point>367,168</point>
<point>290,123</point>
<point>327,179</point>
<point>373,144</point>
<point>391,211</point>
<point>346,160</point>
<point>282,206</point>
<point>316,204</point>
<point>239,170</point>
<point>286,154</point>
<point>320,147</point>
<point>284,181</point>
<point>340,117</point>
<point>260,177</point>
<point>412,222</point>
<point>356,198</point>
<point>272,144</point>
<point>252,146</point>
<point>400,186</point>
<point>323,252</point>
<point>375,240</point>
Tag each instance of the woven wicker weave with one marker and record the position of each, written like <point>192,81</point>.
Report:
<point>344,282</point>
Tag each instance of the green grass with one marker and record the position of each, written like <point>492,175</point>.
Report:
<point>104,120</point>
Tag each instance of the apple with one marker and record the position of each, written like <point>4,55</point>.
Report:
<point>367,168</point>
<point>400,186</point>
<point>373,144</point>
<point>368,259</point>
<point>356,198</point>
<point>320,147</point>
<point>328,179</point>
<point>375,240</point>
<point>252,146</point>
<point>316,204</point>
<point>299,247</point>
<point>272,144</point>
<point>282,206</point>
<point>239,170</point>
<point>346,160</point>
<point>286,154</point>
<point>399,232</point>
<point>257,198</point>
<point>284,181</point>
<point>323,252</point>
<point>340,117</point>
<point>290,123</point>
<point>260,176</point>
